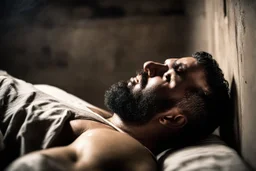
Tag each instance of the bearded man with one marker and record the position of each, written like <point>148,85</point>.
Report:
<point>167,105</point>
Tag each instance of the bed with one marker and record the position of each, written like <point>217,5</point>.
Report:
<point>46,108</point>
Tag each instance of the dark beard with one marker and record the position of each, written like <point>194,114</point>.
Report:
<point>144,78</point>
<point>132,108</point>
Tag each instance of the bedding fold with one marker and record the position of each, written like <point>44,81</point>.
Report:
<point>30,119</point>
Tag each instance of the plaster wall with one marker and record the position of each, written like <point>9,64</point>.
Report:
<point>232,37</point>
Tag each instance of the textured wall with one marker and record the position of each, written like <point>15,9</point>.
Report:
<point>85,47</point>
<point>232,31</point>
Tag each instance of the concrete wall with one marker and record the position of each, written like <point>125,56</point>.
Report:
<point>232,29</point>
<point>85,47</point>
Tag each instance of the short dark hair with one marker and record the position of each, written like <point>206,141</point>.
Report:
<point>205,109</point>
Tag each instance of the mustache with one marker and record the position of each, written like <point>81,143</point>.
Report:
<point>144,78</point>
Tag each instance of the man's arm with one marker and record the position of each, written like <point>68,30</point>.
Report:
<point>98,149</point>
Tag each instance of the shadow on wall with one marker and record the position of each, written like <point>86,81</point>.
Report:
<point>230,128</point>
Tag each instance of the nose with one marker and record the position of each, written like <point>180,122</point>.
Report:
<point>155,68</point>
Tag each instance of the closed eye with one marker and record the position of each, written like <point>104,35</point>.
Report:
<point>179,67</point>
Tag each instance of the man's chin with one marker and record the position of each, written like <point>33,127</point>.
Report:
<point>118,96</point>
<point>120,99</point>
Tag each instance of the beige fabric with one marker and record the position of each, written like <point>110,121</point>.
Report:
<point>30,119</point>
<point>62,95</point>
<point>210,154</point>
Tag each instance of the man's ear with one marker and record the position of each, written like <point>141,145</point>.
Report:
<point>173,120</point>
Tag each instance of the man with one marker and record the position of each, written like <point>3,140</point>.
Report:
<point>168,104</point>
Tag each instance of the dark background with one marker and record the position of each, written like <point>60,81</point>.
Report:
<point>85,46</point>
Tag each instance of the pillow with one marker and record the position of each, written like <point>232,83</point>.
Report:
<point>210,154</point>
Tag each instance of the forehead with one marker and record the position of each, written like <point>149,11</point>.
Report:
<point>195,72</point>
<point>190,61</point>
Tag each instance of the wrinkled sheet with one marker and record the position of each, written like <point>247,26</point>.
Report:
<point>30,119</point>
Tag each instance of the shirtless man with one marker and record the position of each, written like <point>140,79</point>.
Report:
<point>168,104</point>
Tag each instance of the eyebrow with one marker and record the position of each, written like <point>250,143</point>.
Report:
<point>168,59</point>
<point>175,63</point>
<point>184,66</point>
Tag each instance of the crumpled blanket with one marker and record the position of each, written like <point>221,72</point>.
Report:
<point>30,119</point>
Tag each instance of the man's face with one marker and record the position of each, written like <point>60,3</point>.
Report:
<point>157,88</point>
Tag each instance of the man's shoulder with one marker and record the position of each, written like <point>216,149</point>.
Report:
<point>106,148</point>
<point>108,141</point>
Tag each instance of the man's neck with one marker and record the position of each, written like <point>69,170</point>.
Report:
<point>143,133</point>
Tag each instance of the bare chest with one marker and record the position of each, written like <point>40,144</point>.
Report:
<point>75,128</point>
